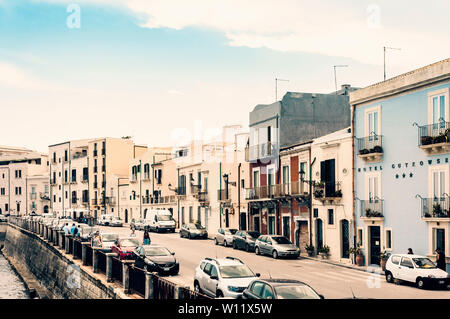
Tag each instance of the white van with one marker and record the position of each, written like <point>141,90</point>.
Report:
<point>105,220</point>
<point>160,219</point>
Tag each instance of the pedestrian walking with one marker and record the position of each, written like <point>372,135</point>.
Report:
<point>133,234</point>
<point>440,259</point>
<point>146,237</point>
<point>410,251</point>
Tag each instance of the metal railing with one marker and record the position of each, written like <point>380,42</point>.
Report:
<point>164,289</point>
<point>277,190</point>
<point>223,194</point>
<point>370,144</point>
<point>259,151</point>
<point>324,190</point>
<point>434,133</point>
<point>137,280</point>
<point>372,208</point>
<point>437,207</point>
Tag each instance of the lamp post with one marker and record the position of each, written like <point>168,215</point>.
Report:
<point>335,80</point>
<point>310,183</point>
<point>384,58</point>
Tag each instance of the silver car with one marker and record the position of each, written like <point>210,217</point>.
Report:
<point>276,246</point>
<point>224,236</point>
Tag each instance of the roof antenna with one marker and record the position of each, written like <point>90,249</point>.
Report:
<point>270,276</point>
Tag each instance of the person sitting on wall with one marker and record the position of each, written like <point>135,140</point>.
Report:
<point>66,229</point>
<point>72,229</point>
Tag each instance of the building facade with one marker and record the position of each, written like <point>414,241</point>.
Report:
<point>402,171</point>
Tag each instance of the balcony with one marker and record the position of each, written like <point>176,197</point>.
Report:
<point>85,179</point>
<point>203,197</point>
<point>74,200</point>
<point>370,148</point>
<point>195,189</point>
<point>146,177</point>
<point>133,179</point>
<point>260,151</point>
<point>73,181</point>
<point>85,200</point>
<point>95,201</point>
<point>436,208</point>
<point>44,196</point>
<point>327,191</point>
<point>181,191</point>
<point>434,138</point>
<point>33,196</point>
<point>223,195</point>
<point>110,200</point>
<point>145,199</point>
<point>372,209</point>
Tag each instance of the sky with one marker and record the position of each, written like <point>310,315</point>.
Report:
<point>150,68</point>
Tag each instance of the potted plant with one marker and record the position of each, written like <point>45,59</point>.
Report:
<point>310,250</point>
<point>426,140</point>
<point>337,193</point>
<point>437,210</point>
<point>378,149</point>
<point>363,151</point>
<point>318,193</point>
<point>383,258</point>
<point>324,251</point>
<point>357,251</point>
<point>368,212</point>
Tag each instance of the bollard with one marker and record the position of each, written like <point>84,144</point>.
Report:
<point>126,276</point>
<point>149,285</point>
<point>55,237</point>
<point>67,244</point>
<point>61,239</point>
<point>74,249</point>
<point>84,247</point>
<point>109,266</point>
<point>95,260</point>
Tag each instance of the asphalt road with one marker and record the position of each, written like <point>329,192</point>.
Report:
<point>329,280</point>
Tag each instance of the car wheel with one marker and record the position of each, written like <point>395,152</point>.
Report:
<point>189,236</point>
<point>420,283</point>
<point>257,251</point>
<point>181,235</point>
<point>389,277</point>
<point>197,288</point>
<point>247,247</point>
<point>234,245</point>
<point>216,242</point>
<point>219,294</point>
<point>274,254</point>
<point>225,243</point>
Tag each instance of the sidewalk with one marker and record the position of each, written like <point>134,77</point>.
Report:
<point>345,265</point>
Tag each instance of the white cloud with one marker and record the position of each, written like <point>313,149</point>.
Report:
<point>12,76</point>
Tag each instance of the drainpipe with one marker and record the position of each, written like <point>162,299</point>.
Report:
<point>353,178</point>
<point>220,187</point>
<point>178,197</point>
<point>310,196</point>
<point>239,196</point>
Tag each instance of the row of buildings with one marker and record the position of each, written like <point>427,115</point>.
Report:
<point>364,167</point>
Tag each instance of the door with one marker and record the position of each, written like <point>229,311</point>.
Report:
<point>287,227</point>
<point>319,233</point>
<point>211,284</point>
<point>126,215</point>
<point>271,225</point>
<point>374,242</point>
<point>345,238</point>
<point>328,176</point>
<point>227,218</point>
<point>440,239</point>
<point>406,270</point>
<point>243,223</point>
<point>256,223</point>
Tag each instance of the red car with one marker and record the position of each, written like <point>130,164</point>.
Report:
<point>124,247</point>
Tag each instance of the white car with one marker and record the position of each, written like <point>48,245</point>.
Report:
<point>220,278</point>
<point>415,268</point>
<point>224,236</point>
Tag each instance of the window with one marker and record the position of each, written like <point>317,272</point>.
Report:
<point>372,121</point>
<point>388,239</point>
<point>286,178</point>
<point>316,213</point>
<point>406,262</point>
<point>257,288</point>
<point>2,191</point>
<point>191,218</point>
<point>439,239</point>
<point>330,217</point>
<point>360,237</point>
<point>182,215</point>
<point>271,176</point>
<point>214,271</point>
<point>74,175</point>
<point>255,179</point>
<point>267,292</point>
<point>438,108</point>
<point>373,187</point>
<point>395,259</point>
<point>438,183</point>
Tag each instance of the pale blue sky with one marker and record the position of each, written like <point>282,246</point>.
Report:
<point>146,68</point>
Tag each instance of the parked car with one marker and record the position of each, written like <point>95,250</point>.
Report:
<point>276,246</point>
<point>160,220</point>
<point>245,240</point>
<point>116,222</point>
<point>137,224</point>
<point>107,240</point>
<point>193,231</point>
<point>417,269</point>
<point>224,236</point>
<point>227,277</point>
<point>279,289</point>
<point>105,220</point>
<point>156,258</point>
<point>3,218</point>
<point>124,247</point>
<point>86,232</point>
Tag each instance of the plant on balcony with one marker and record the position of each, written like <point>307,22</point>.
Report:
<point>426,140</point>
<point>324,251</point>
<point>363,151</point>
<point>310,250</point>
<point>437,210</point>
<point>373,213</point>
<point>318,193</point>
<point>441,138</point>
<point>377,149</point>
<point>337,193</point>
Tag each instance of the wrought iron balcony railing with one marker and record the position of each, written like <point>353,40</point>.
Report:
<point>436,133</point>
<point>437,207</point>
<point>260,151</point>
<point>223,194</point>
<point>370,145</point>
<point>326,190</point>
<point>372,208</point>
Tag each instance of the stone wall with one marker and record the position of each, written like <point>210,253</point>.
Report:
<point>50,268</point>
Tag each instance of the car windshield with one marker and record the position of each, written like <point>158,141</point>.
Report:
<point>230,231</point>
<point>236,271</point>
<point>164,217</point>
<point>195,226</point>
<point>424,263</point>
<point>296,292</point>
<point>156,251</point>
<point>109,237</point>
<point>254,234</point>
<point>281,240</point>
<point>129,242</point>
